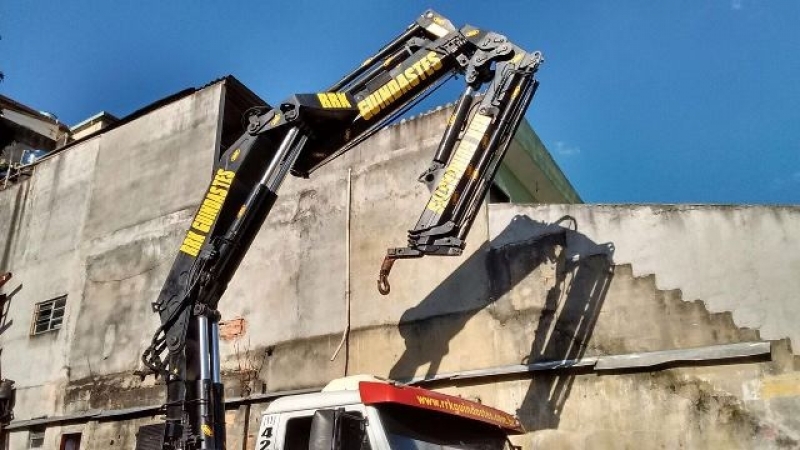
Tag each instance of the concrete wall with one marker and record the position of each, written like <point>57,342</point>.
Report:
<point>101,222</point>
<point>682,277</point>
<point>741,259</point>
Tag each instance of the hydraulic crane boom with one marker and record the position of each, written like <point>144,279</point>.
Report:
<point>298,136</point>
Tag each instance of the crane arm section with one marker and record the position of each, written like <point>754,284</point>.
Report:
<point>296,137</point>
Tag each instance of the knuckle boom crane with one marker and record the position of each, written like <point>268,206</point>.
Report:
<point>300,135</point>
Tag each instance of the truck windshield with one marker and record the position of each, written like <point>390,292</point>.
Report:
<point>417,429</point>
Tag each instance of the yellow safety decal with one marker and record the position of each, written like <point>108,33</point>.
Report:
<point>333,100</point>
<point>235,155</point>
<point>207,430</point>
<point>516,92</point>
<point>437,29</point>
<point>518,58</point>
<point>275,119</point>
<point>472,33</point>
<point>399,85</point>
<point>460,164</point>
<point>208,212</point>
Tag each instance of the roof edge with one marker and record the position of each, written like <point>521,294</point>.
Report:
<point>158,104</point>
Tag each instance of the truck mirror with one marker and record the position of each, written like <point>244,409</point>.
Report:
<point>323,430</point>
<point>336,430</point>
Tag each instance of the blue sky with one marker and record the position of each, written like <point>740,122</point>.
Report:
<point>693,101</point>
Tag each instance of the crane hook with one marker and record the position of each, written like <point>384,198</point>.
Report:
<point>383,276</point>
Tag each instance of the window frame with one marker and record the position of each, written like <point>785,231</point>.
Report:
<point>52,306</point>
<point>38,434</point>
<point>75,437</point>
<point>280,431</point>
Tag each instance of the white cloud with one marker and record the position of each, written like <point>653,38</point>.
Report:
<point>567,150</point>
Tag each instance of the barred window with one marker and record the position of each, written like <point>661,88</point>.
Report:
<point>48,315</point>
<point>36,437</point>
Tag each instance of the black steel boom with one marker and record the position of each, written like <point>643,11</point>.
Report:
<point>298,136</point>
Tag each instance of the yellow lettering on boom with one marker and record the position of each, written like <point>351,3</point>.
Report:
<point>398,86</point>
<point>207,213</point>
<point>459,165</point>
<point>333,100</point>
<point>192,243</point>
<point>323,100</point>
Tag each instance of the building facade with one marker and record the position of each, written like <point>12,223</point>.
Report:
<point>600,326</point>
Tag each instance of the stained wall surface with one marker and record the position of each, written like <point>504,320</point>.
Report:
<point>98,222</point>
<point>101,222</point>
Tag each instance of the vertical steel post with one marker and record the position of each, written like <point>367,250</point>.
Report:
<point>204,409</point>
<point>217,389</point>
<point>215,369</point>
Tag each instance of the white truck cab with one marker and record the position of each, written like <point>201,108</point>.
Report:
<point>366,413</point>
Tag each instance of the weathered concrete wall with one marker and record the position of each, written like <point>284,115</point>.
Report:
<point>523,296</point>
<point>740,259</point>
<point>99,223</point>
<point>542,305</point>
<point>46,264</point>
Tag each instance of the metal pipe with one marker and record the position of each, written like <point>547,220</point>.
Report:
<point>472,209</point>
<point>454,126</point>
<point>286,166</point>
<point>390,47</point>
<point>215,364</point>
<point>217,391</point>
<point>270,180</point>
<point>280,155</point>
<point>205,422</point>
<point>500,92</point>
<point>379,69</point>
<point>203,353</point>
<point>346,332</point>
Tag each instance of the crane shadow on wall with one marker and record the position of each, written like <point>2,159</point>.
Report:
<point>5,308</point>
<point>545,284</point>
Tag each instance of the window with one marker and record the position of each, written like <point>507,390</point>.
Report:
<point>48,315</point>
<point>36,437</point>
<point>298,433</point>
<point>71,441</point>
<point>353,435</point>
<point>419,429</point>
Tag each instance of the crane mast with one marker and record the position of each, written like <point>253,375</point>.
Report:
<point>299,135</point>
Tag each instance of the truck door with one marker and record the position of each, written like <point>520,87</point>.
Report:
<point>292,431</point>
